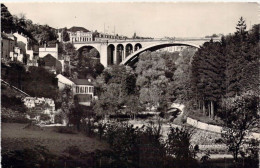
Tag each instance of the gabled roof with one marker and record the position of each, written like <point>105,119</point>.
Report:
<point>64,80</point>
<point>75,29</point>
<point>81,82</point>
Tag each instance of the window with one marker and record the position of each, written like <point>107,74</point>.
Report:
<point>86,89</point>
<point>81,89</point>
<point>77,89</point>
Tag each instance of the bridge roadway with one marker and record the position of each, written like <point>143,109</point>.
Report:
<point>126,51</point>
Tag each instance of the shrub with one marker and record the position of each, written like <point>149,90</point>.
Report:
<point>44,117</point>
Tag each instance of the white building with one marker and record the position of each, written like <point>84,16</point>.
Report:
<point>48,50</point>
<point>25,40</point>
<point>63,82</point>
<point>80,34</point>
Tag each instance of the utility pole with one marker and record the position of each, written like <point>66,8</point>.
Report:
<point>114,30</point>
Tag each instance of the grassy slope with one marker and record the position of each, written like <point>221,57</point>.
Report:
<point>14,136</point>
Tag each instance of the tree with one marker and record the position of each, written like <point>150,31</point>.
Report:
<point>65,35</point>
<point>208,76</point>
<point>181,85</point>
<point>243,116</point>
<point>151,79</point>
<point>6,20</point>
<point>116,88</point>
<point>179,146</point>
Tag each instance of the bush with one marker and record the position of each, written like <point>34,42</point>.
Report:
<point>44,117</point>
<point>13,103</point>
<point>10,116</point>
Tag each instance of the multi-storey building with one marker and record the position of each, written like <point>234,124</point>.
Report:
<point>80,34</point>
<point>7,47</point>
<point>83,91</point>
<point>23,43</point>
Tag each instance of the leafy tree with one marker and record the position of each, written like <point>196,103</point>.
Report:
<point>181,85</point>
<point>179,146</point>
<point>243,116</point>
<point>6,20</point>
<point>65,35</point>
<point>151,80</point>
<point>116,89</point>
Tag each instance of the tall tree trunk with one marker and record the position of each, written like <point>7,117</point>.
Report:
<point>204,108</point>
<point>209,110</point>
<point>212,109</point>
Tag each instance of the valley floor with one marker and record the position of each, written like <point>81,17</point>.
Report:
<point>16,136</point>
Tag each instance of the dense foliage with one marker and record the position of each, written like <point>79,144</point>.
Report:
<point>225,69</point>
<point>36,82</point>
<point>243,116</point>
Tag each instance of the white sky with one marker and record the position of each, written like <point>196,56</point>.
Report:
<point>153,19</point>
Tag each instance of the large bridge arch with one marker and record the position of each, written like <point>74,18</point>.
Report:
<point>86,49</point>
<point>132,58</point>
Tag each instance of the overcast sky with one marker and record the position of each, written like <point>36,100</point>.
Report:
<point>146,19</point>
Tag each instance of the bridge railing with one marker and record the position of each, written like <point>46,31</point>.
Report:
<point>145,40</point>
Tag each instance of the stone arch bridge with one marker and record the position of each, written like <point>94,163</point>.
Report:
<point>126,51</point>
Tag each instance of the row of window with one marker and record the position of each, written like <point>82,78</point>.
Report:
<point>81,39</point>
<point>83,89</point>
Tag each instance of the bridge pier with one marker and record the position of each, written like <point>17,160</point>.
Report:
<point>103,55</point>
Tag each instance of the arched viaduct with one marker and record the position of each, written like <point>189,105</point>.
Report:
<point>126,51</point>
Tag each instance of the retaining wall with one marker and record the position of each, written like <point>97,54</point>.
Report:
<point>214,128</point>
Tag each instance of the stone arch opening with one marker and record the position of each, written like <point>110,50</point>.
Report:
<point>138,46</point>
<point>88,52</point>
<point>110,54</point>
<point>128,49</point>
<point>119,53</point>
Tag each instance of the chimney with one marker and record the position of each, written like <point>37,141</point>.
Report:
<point>45,45</point>
<point>57,46</point>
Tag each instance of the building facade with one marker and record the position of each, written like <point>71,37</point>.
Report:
<point>83,91</point>
<point>45,50</point>
<point>7,47</point>
<point>80,34</point>
<point>23,43</point>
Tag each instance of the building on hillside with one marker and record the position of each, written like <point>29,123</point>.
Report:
<point>51,49</point>
<point>7,47</point>
<point>63,82</point>
<point>173,48</point>
<point>50,63</point>
<point>105,36</point>
<point>83,91</point>
<point>23,43</point>
<point>40,106</point>
<point>80,34</point>
<point>18,54</point>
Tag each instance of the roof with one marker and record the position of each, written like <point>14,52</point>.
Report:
<point>64,80</point>
<point>81,82</point>
<point>5,36</point>
<point>75,29</point>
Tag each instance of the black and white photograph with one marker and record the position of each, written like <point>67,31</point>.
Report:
<point>128,84</point>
